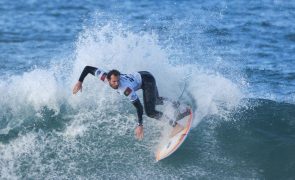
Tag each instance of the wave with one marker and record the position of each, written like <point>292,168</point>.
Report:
<point>43,126</point>
<point>43,91</point>
<point>260,136</point>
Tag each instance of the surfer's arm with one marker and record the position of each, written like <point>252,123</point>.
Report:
<point>94,71</point>
<point>86,71</point>
<point>132,96</point>
<point>139,128</point>
<point>139,110</point>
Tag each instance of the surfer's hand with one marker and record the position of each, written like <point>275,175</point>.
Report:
<point>77,87</point>
<point>139,132</point>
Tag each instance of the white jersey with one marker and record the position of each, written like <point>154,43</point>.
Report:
<point>128,83</point>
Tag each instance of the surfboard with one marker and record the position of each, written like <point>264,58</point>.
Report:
<point>170,145</point>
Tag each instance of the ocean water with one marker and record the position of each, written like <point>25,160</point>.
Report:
<point>233,59</point>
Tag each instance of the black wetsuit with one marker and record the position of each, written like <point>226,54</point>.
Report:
<point>150,95</point>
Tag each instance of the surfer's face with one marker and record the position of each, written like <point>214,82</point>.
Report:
<point>114,81</point>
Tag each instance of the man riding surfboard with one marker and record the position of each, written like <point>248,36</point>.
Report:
<point>127,85</point>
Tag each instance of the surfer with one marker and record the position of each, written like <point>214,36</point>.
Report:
<point>127,85</point>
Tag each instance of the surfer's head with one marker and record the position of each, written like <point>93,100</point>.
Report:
<point>113,78</point>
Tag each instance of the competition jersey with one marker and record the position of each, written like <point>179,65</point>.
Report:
<point>128,83</point>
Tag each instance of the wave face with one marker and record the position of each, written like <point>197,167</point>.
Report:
<point>216,57</point>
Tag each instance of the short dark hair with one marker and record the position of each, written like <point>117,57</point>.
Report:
<point>113,72</point>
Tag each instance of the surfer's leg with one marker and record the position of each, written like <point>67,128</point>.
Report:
<point>150,95</point>
<point>148,77</point>
<point>149,99</point>
<point>159,100</point>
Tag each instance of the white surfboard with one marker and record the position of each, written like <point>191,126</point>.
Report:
<point>170,145</point>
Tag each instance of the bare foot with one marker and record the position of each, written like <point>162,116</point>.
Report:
<point>176,130</point>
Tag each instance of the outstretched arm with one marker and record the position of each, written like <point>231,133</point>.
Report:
<point>139,128</point>
<point>139,110</point>
<point>85,72</point>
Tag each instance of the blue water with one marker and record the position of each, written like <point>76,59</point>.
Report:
<point>235,61</point>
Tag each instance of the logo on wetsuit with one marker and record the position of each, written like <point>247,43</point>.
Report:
<point>127,91</point>
<point>103,76</point>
